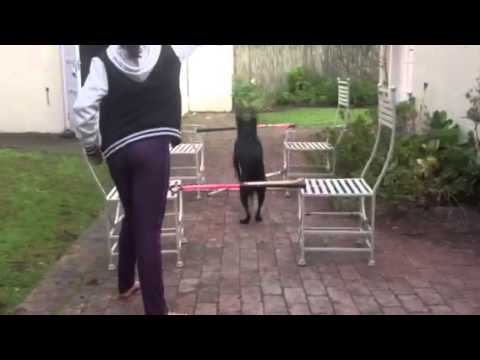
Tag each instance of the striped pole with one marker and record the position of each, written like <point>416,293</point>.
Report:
<point>262,126</point>
<point>271,185</point>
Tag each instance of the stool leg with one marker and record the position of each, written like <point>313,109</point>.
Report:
<point>110,227</point>
<point>178,232</point>
<point>372,237</point>
<point>202,160</point>
<point>287,169</point>
<point>301,238</point>
<point>199,175</point>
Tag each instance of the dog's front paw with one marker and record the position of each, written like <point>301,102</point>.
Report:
<point>258,218</point>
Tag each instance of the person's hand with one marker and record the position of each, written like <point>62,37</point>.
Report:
<point>94,155</point>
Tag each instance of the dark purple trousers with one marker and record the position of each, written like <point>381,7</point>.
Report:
<point>141,173</point>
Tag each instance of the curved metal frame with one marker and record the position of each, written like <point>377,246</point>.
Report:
<point>366,228</point>
<point>330,155</point>
<point>191,130</point>
<point>114,219</point>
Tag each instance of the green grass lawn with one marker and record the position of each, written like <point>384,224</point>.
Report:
<point>46,201</point>
<point>305,117</point>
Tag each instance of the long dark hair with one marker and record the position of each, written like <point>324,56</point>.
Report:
<point>133,51</point>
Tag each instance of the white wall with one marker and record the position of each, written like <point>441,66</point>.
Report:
<point>400,70</point>
<point>26,71</point>
<point>450,71</point>
<point>210,76</point>
<point>184,88</point>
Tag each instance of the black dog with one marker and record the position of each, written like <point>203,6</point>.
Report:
<point>249,165</point>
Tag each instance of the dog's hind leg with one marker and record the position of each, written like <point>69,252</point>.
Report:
<point>261,200</point>
<point>244,195</point>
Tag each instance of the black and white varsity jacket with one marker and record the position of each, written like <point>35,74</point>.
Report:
<point>122,102</point>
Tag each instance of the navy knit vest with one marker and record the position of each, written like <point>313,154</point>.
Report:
<point>137,110</point>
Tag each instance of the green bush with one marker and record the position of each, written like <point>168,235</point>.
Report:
<point>436,168</point>
<point>310,89</point>
<point>247,95</point>
<point>363,93</point>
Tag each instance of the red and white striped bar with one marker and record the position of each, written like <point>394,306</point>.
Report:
<point>298,184</point>
<point>261,126</point>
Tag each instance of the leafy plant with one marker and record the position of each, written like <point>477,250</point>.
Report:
<point>363,93</point>
<point>311,89</point>
<point>434,168</point>
<point>248,96</point>
<point>407,117</point>
<point>473,114</point>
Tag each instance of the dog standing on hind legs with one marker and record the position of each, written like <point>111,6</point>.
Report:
<point>248,164</point>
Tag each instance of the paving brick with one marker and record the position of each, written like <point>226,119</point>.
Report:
<point>211,266</point>
<point>340,297</point>
<point>429,296</point>
<point>185,304</point>
<point>441,310</point>
<point>271,287</point>
<point>208,295</point>
<point>418,283</point>
<point>290,281</point>
<point>266,260</point>
<point>206,309</point>
<point>401,287</point>
<point>320,305</point>
<point>461,307</point>
<point>328,269</point>
<point>386,298</point>
<point>295,296</point>
<point>344,309</point>
<point>210,279</point>
<point>248,278</point>
<point>330,280</point>
<point>171,279</point>
<point>249,265</point>
<point>348,272</point>
<point>367,305</point>
<point>192,273</point>
<point>230,286</point>
<point>229,304</point>
<point>314,287</point>
<point>275,305</point>
<point>255,308</point>
<point>270,274</point>
<point>447,292</point>
<point>299,309</point>
<point>357,288</point>
<point>309,273</point>
<point>251,294</point>
<point>188,285</point>
<point>396,310</point>
<point>412,303</point>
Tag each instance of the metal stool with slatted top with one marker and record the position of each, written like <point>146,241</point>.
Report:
<point>194,147</point>
<point>355,189</point>
<point>175,212</point>
<point>325,148</point>
<point>115,215</point>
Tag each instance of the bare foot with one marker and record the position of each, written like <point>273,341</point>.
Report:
<point>127,295</point>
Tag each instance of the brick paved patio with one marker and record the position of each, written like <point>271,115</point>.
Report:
<point>232,269</point>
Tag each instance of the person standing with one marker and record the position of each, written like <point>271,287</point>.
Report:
<point>128,113</point>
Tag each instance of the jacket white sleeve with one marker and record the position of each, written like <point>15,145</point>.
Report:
<point>87,106</point>
<point>185,51</point>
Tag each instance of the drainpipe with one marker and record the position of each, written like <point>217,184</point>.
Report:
<point>67,133</point>
<point>188,85</point>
